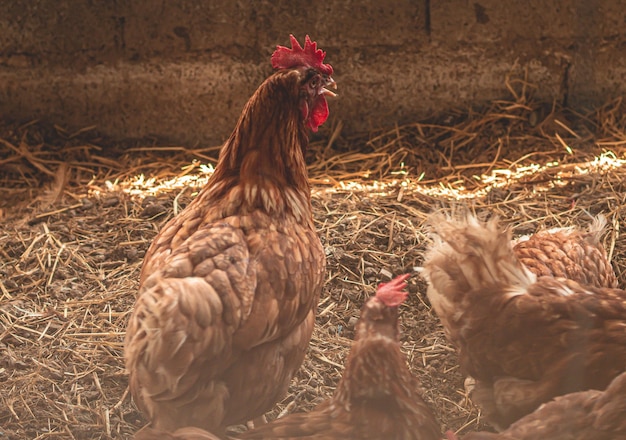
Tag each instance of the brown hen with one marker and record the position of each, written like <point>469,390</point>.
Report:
<point>569,253</point>
<point>584,415</point>
<point>524,339</point>
<point>377,397</point>
<point>229,287</point>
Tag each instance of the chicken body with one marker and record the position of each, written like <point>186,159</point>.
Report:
<point>229,287</point>
<point>584,415</point>
<point>524,339</point>
<point>569,253</point>
<point>376,398</point>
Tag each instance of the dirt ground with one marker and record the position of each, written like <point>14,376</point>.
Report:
<point>77,213</point>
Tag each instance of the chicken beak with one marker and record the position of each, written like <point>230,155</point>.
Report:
<point>329,83</point>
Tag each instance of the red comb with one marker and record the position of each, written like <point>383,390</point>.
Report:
<point>310,56</point>
<point>392,294</point>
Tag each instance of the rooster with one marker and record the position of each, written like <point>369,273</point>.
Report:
<point>229,287</point>
<point>524,339</point>
<point>377,397</point>
<point>570,253</point>
<point>584,415</point>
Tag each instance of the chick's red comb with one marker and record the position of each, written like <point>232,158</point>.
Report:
<point>392,294</point>
<point>310,56</point>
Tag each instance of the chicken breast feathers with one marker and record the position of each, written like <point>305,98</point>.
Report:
<point>234,297</point>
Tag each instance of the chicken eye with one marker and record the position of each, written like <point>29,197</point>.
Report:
<point>314,83</point>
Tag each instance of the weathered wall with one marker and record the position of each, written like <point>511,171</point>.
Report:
<point>183,70</point>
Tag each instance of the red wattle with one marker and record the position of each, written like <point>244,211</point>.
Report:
<point>319,114</point>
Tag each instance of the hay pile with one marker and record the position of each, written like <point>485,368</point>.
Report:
<point>77,213</point>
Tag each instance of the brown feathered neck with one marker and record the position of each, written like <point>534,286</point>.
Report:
<point>268,143</point>
<point>375,369</point>
<point>377,387</point>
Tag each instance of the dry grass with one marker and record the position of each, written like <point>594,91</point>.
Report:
<point>76,220</point>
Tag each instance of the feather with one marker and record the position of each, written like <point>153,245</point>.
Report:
<point>230,286</point>
<point>524,337</point>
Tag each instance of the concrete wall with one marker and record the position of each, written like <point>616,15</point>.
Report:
<point>183,70</point>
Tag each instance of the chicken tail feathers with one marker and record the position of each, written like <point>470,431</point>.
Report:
<point>468,254</point>
<point>597,229</point>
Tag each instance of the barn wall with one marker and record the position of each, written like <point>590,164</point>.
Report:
<point>182,70</point>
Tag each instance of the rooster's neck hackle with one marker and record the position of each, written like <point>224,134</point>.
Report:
<point>270,137</point>
<point>265,153</point>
